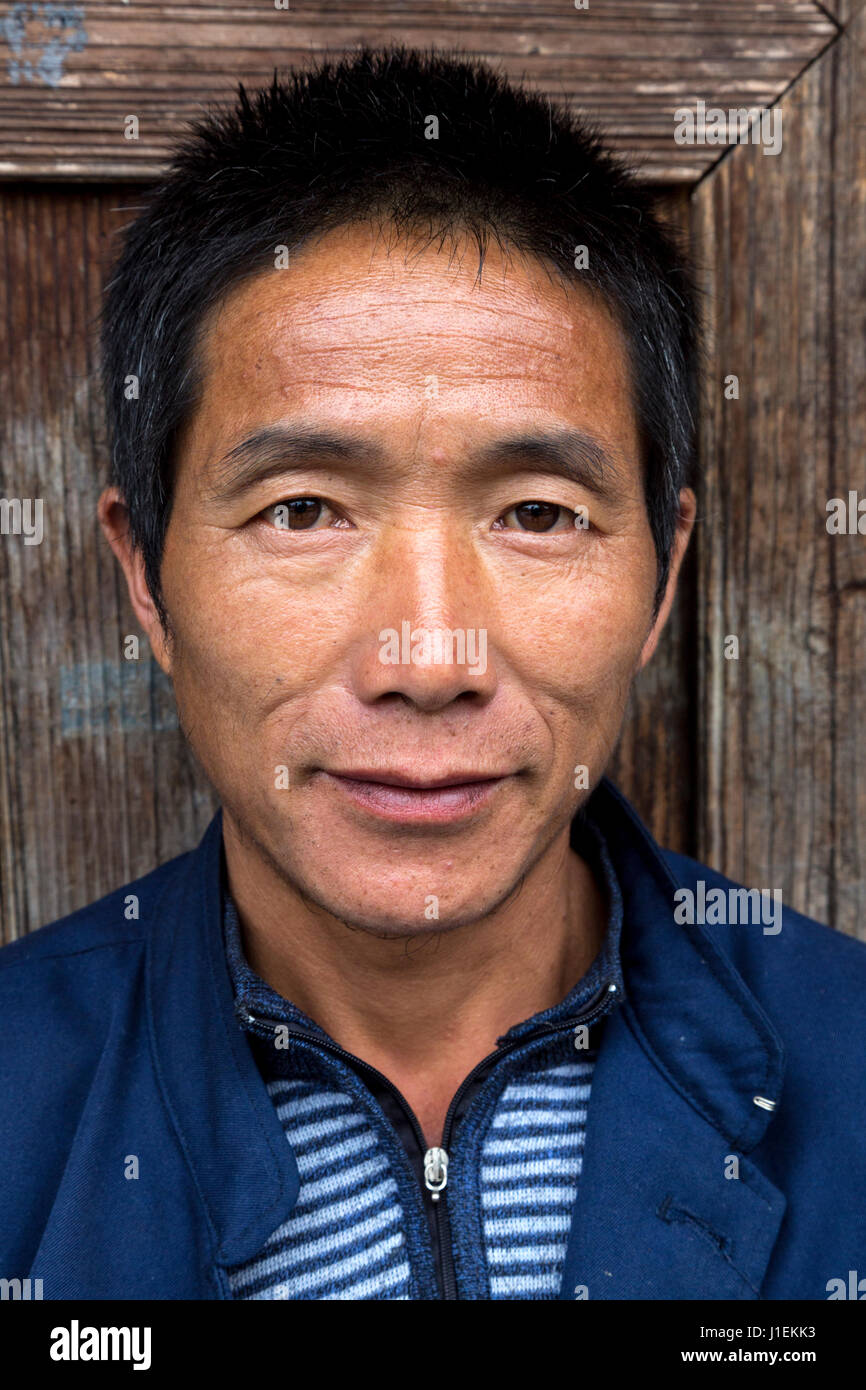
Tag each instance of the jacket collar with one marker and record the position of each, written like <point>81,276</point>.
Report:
<point>687,1004</point>
<point>688,1025</point>
<point>669,1204</point>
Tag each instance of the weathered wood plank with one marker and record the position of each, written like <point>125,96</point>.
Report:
<point>847,79</point>
<point>843,11</point>
<point>95,782</point>
<point>655,759</point>
<point>781,793</point>
<point>64,93</point>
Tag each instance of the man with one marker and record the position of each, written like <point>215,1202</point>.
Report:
<point>399,368</point>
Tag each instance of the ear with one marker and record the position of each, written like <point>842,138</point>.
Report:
<point>685,522</point>
<point>114,520</point>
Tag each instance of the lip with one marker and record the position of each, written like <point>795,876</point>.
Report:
<point>386,778</point>
<point>408,799</point>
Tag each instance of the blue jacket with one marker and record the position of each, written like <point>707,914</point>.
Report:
<point>118,1037</point>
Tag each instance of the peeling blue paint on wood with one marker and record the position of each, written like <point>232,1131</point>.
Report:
<point>115,696</point>
<point>39,37</point>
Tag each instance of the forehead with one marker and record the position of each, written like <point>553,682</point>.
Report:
<point>356,330</point>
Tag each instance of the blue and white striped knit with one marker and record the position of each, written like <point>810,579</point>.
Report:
<point>359,1229</point>
<point>344,1239</point>
<point>530,1165</point>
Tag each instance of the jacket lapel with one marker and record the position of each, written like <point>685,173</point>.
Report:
<point>225,1119</point>
<point>669,1204</point>
<point>656,1217</point>
<point>176,1088</point>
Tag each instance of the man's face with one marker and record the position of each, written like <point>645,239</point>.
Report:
<point>427,488</point>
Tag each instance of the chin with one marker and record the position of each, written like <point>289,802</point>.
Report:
<point>408,909</point>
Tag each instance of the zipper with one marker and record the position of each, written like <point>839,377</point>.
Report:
<point>436,1158</point>
<point>593,1009</point>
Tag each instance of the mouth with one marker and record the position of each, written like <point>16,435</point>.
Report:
<point>407,798</point>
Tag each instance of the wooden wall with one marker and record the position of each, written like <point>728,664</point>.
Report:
<point>782,782</point>
<point>755,766</point>
<point>96,784</point>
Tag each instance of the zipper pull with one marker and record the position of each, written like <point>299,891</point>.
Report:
<point>435,1172</point>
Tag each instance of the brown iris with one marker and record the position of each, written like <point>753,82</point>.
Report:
<point>300,513</point>
<point>537,516</point>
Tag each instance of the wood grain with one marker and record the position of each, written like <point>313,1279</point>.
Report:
<point>96,785</point>
<point>655,758</point>
<point>843,11</point>
<point>65,90</point>
<point>780,785</point>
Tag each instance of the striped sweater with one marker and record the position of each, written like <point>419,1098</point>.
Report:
<point>364,1225</point>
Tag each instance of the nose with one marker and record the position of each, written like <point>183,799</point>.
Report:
<point>425,623</point>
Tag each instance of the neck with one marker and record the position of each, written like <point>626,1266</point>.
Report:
<point>421,1008</point>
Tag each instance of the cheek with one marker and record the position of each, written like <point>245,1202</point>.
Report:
<point>251,638</point>
<point>215,651</point>
<point>580,639</point>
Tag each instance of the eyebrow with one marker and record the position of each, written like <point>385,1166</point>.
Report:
<point>277,450</point>
<point>572,454</point>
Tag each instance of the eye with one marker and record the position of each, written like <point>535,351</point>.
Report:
<point>297,514</point>
<point>541,517</point>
